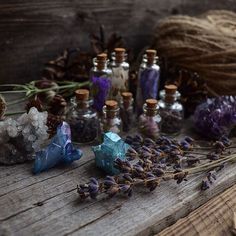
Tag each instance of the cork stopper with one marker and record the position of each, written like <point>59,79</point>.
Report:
<point>111,104</point>
<point>170,88</point>
<point>151,54</point>
<point>101,61</point>
<point>102,57</point>
<point>151,103</point>
<point>127,99</point>
<point>127,95</point>
<point>119,54</point>
<point>82,94</point>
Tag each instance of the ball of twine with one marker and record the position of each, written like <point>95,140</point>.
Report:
<point>204,44</point>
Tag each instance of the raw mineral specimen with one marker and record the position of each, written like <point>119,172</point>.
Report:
<point>22,137</point>
<point>216,117</point>
<point>60,150</point>
<point>112,148</point>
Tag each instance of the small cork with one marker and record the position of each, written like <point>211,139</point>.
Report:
<point>102,57</point>
<point>127,95</point>
<point>170,88</point>
<point>82,94</point>
<point>151,103</point>
<point>119,54</point>
<point>111,104</point>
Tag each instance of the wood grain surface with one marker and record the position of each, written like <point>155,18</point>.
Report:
<point>33,32</point>
<point>47,204</point>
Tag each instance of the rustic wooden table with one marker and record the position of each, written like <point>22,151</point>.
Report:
<point>47,204</point>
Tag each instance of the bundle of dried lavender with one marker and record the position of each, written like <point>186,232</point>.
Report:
<point>150,162</point>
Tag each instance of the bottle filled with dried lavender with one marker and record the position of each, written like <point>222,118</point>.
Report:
<point>120,73</point>
<point>148,81</point>
<point>83,120</point>
<point>127,111</point>
<point>100,76</point>
<point>171,111</point>
<point>111,119</point>
<point>149,121</point>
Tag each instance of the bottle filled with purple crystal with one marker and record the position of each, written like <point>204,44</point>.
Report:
<point>100,76</point>
<point>149,121</point>
<point>127,111</point>
<point>111,118</point>
<point>148,81</point>
<point>171,111</point>
<point>120,74</point>
<point>83,119</point>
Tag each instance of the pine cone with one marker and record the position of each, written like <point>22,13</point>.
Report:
<point>53,122</point>
<point>58,105</point>
<point>34,102</point>
<point>3,107</point>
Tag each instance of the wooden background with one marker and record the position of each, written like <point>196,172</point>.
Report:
<point>33,32</point>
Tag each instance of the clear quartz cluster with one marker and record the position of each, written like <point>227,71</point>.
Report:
<point>23,136</point>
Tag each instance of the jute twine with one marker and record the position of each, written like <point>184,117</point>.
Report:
<point>204,44</point>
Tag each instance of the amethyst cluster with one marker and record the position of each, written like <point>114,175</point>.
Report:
<point>216,117</point>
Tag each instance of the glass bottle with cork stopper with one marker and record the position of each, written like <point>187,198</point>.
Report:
<point>149,121</point>
<point>83,120</point>
<point>100,77</point>
<point>120,73</point>
<point>148,79</point>
<point>111,119</point>
<point>127,111</point>
<point>171,111</point>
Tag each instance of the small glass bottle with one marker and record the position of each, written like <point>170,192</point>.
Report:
<point>149,121</point>
<point>111,120</point>
<point>83,120</point>
<point>148,79</point>
<point>100,77</point>
<point>127,111</point>
<point>171,111</point>
<point>120,74</point>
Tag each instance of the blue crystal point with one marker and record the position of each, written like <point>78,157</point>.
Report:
<point>60,150</point>
<point>113,147</point>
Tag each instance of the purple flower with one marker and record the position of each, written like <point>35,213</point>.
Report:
<point>100,90</point>
<point>216,117</point>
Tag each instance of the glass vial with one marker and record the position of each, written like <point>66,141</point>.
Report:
<point>171,111</point>
<point>100,76</point>
<point>148,79</point>
<point>149,121</point>
<point>120,73</point>
<point>83,120</point>
<point>127,111</point>
<point>111,119</point>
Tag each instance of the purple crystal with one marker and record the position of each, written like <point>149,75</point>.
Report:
<point>100,89</point>
<point>60,150</point>
<point>149,83</point>
<point>216,117</point>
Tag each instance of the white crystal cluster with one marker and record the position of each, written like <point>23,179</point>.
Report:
<point>30,129</point>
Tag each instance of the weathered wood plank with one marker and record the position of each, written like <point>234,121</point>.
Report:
<point>213,218</point>
<point>62,213</point>
<point>33,32</point>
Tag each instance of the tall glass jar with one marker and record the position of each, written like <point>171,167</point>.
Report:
<point>149,121</point>
<point>100,77</point>
<point>148,79</point>
<point>127,111</point>
<point>120,73</point>
<point>111,119</point>
<point>171,111</point>
<point>83,120</point>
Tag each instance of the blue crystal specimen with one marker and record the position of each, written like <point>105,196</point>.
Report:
<point>113,147</point>
<point>60,150</point>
